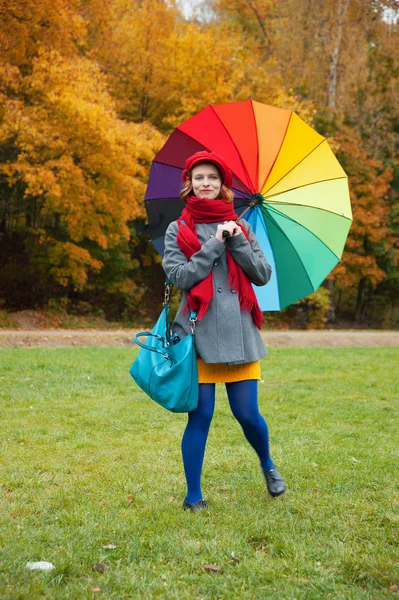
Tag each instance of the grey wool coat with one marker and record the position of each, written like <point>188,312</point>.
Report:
<point>225,334</point>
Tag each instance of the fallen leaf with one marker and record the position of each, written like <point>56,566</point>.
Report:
<point>234,557</point>
<point>263,548</point>
<point>101,567</point>
<point>40,566</point>
<point>130,497</point>
<point>96,589</point>
<point>212,568</point>
<point>171,500</point>
<point>394,589</point>
<point>109,547</point>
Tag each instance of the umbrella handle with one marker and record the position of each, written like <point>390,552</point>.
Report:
<point>257,198</point>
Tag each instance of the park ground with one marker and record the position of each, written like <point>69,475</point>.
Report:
<point>123,338</point>
<point>91,480</point>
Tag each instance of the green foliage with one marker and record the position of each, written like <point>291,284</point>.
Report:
<point>309,313</point>
<point>312,311</point>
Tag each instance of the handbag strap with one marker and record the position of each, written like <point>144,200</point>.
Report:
<point>193,314</point>
<point>158,337</point>
<point>166,302</point>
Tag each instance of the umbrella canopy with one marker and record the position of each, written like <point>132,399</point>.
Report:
<point>303,220</point>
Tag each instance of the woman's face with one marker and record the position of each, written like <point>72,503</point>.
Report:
<point>206,181</point>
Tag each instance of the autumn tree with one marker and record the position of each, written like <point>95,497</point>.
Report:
<point>89,88</point>
<point>342,54</point>
<point>371,241</point>
<point>72,173</point>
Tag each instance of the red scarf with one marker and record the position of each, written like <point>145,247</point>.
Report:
<point>202,210</point>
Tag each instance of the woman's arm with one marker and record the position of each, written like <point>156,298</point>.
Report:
<point>249,256</point>
<point>184,273</point>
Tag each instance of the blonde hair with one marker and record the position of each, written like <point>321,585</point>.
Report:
<point>225,193</point>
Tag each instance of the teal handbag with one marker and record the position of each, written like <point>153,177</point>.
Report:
<point>166,366</point>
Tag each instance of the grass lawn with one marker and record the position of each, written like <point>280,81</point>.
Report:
<point>87,461</point>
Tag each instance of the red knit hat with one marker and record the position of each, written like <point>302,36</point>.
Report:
<point>209,157</point>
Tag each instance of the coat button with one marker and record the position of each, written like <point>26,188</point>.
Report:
<point>215,264</point>
<point>220,290</point>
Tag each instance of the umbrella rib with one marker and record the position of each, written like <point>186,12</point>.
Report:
<point>208,150</point>
<point>298,187</point>
<point>308,206</point>
<point>263,224</point>
<point>158,162</point>
<point>182,133</point>
<point>304,227</point>
<point>235,146</point>
<point>161,162</point>
<point>276,157</point>
<point>270,202</point>
<point>295,166</point>
<point>257,147</point>
<point>295,250</point>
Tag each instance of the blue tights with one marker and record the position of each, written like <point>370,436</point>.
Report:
<point>243,399</point>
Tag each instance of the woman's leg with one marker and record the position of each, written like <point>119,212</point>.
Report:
<point>194,440</point>
<point>243,398</point>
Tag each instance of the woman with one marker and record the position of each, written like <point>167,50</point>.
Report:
<point>213,260</point>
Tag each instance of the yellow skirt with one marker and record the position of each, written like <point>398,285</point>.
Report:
<point>223,373</point>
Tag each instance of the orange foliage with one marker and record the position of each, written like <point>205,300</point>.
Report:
<point>77,163</point>
<point>88,90</point>
<point>71,263</point>
<point>370,235</point>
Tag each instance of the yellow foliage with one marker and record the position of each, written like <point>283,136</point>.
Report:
<point>71,263</point>
<point>164,69</point>
<point>53,23</point>
<point>85,166</point>
<point>311,312</point>
<point>370,233</point>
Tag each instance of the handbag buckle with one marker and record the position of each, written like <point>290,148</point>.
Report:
<point>166,300</point>
<point>192,323</point>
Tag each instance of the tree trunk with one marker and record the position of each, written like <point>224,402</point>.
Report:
<point>3,220</point>
<point>366,302</point>
<point>331,313</point>
<point>262,28</point>
<point>359,301</point>
<point>332,86</point>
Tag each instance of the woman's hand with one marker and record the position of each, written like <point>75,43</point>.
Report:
<point>231,227</point>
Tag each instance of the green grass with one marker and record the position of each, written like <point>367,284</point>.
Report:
<point>87,460</point>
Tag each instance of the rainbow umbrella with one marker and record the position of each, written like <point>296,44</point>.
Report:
<point>303,217</point>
